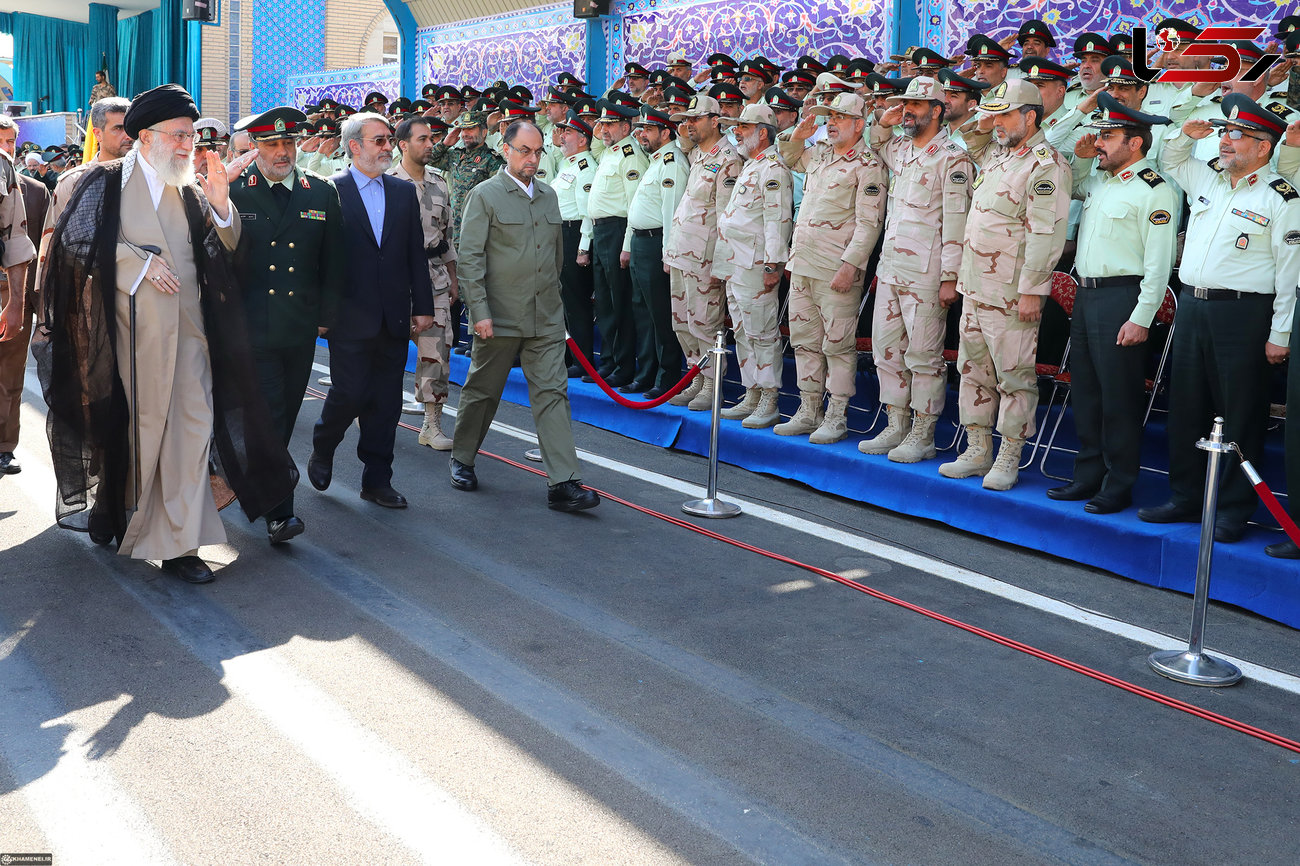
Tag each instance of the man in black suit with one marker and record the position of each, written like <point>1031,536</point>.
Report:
<point>291,264</point>
<point>387,296</point>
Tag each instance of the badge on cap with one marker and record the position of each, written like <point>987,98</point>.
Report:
<point>1232,115</point>
<point>279,124</point>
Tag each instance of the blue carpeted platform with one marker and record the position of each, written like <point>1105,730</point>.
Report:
<point>1163,556</point>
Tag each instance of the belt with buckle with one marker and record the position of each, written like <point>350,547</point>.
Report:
<point>1109,282</point>
<point>1220,294</point>
<point>569,224</point>
<point>649,233</point>
<point>600,221</point>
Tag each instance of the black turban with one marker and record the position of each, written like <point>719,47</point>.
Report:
<point>160,104</point>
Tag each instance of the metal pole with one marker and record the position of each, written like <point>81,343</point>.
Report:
<point>711,506</point>
<point>533,454</point>
<point>135,419</point>
<point>1193,666</point>
<point>412,408</point>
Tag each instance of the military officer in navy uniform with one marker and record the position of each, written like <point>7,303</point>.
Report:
<point>291,264</point>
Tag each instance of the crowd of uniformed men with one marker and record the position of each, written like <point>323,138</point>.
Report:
<point>689,195</point>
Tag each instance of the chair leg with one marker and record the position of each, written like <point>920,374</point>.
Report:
<point>1051,441</point>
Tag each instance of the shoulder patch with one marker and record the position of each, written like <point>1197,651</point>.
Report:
<point>773,184</point>
<point>633,174</point>
<point>1043,152</point>
<point>730,181</point>
<point>872,189</point>
<point>1214,164</point>
<point>582,164</point>
<point>586,187</point>
<point>1284,189</point>
<point>1292,238</point>
<point>958,177</point>
<point>1159,217</point>
<point>1152,177</point>
<point>669,182</point>
<point>628,150</point>
<point>1044,187</point>
<point>670,158</point>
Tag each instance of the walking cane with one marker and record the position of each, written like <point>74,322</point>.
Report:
<point>135,391</point>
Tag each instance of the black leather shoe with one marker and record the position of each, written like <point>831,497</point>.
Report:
<point>190,569</point>
<point>100,528</point>
<point>1229,533</point>
<point>1169,513</point>
<point>462,476</point>
<point>654,393</point>
<point>385,496</point>
<point>635,387</point>
<point>320,469</point>
<point>575,370</point>
<point>1284,550</point>
<point>1105,505</point>
<point>571,496</point>
<point>617,381</point>
<point>1072,492</point>
<point>588,379</point>
<point>8,465</point>
<point>604,372</point>
<point>280,531</point>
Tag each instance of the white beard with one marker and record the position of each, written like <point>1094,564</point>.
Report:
<point>176,172</point>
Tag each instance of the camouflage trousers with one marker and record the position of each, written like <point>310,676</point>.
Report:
<point>907,334</point>
<point>754,311</point>
<point>433,352</point>
<point>823,333</point>
<point>698,314</point>
<point>999,387</point>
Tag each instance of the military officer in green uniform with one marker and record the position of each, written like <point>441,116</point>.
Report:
<point>576,168</point>
<point>1127,238</point>
<point>466,166</point>
<point>290,263</point>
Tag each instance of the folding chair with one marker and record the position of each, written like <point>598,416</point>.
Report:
<point>1064,291</point>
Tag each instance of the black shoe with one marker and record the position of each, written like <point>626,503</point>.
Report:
<point>1106,505</point>
<point>575,370</point>
<point>617,381</point>
<point>462,476</point>
<point>281,530</point>
<point>100,528</point>
<point>320,469</point>
<point>604,372</point>
<point>385,496</point>
<point>1284,550</point>
<point>1229,533</point>
<point>190,569</point>
<point>8,465</point>
<point>588,379</point>
<point>1072,492</point>
<point>655,393</point>
<point>463,350</point>
<point>635,387</point>
<point>571,496</point>
<point>1169,513</point>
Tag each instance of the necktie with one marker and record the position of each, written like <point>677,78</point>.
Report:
<point>281,193</point>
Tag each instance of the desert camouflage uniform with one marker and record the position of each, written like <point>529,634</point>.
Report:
<point>1014,237</point>
<point>698,310</point>
<point>466,168</point>
<point>841,217</point>
<point>433,347</point>
<point>754,230</point>
<point>929,197</point>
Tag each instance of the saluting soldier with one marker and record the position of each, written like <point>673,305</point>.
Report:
<point>1014,238</point>
<point>617,176</point>
<point>698,297</point>
<point>291,263</point>
<point>991,60</point>
<point>1090,49</point>
<point>962,96</point>
<point>649,225</point>
<point>575,172</point>
<point>753,247</point>
<point>433,346</point>
<point>1239,269</point>
<point>842,214</point>
<point>466,166</point>
<point>929,198</point>
<point>1127,241</point>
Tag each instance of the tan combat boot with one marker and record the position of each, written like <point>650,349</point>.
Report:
<point>767,413</point>
<point>919,444</point>
<point>900,424</point>
<point>806,419</point>
<point>431,433</point>
<point>835,426</point>
<point>1006,469</point>
<point>977,459</point>
<point>702,401</point>
<point>688,393</point>
<point>744,408</point>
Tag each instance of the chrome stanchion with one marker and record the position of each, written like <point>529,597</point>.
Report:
<point>533,454</point>
<point>1192,665</point>
<point>325,382</point>
<point>711,505</point>
<point>412,408</point>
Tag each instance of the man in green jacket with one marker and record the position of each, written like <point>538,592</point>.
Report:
<point>510,256</point>
<point>291,266</point>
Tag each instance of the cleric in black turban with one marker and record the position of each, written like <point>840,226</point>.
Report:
<point>154,106</point>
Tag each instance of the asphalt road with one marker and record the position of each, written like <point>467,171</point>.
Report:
<point>481,680</point>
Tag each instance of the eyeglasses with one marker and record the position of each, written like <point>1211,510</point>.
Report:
<point>525,152</point>
<point>178,137</point>
<point>1238,135</point>
<point>381,140</point>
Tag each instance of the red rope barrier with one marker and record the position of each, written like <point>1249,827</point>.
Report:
<point>619,398</point>
<point>1270,501</point>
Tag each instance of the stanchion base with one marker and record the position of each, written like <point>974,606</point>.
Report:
<point>711,508</point>
<point>533,454</point>
<point>325,382</point>
<point>412,408</point>
<point>1194,669</point>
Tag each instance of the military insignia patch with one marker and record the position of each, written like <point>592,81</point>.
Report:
<point>247,216</point>
<point>669,158</point>
<point>633,174</point>
<point>252,180</point>
<point>1292,238</point>
<point>586,187</point>
<point>669,182</point>
<point>582,163</point>
<point>957,177</point>
<point>1159,218</point>
<point>1257,218</point>
<point>978,180</point>
<point>1044,187</point>
<point>1243,241</point>
<point>1152,177</point>
<point>1279,109</point>
<point>279,124</point>
<point>773,184</point>
<point>1214,164</point>
<point>312,215</point>
<point>628,150</point>
<point>872,189</point>
<point>731,181</point>
<point>1284,189</point>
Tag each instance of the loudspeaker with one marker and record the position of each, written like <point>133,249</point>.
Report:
<point>590,8</point>
<point>199,10</point>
